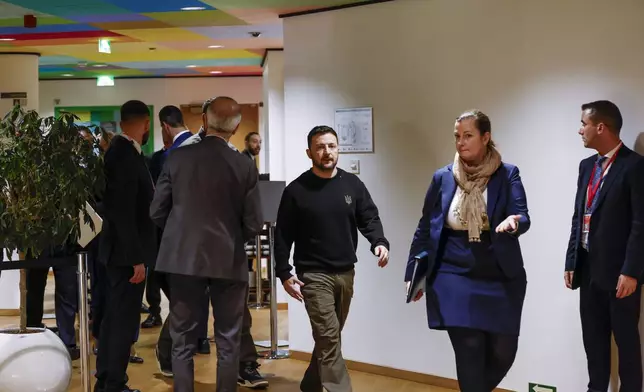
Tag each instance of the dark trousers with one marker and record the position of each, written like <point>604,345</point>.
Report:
<point>204,314</point>
<point>153,292</point>
<point>66,300</point>
<point>602,314</point>
<point>327,298</point>
<point>248,351</point>
<point>120,323</point>
<point>164,344</point>
<point>99,287</point>
<point>229,300</point>
<point>482,358</point>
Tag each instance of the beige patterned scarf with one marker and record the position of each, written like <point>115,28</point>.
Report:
<point>471,209</point>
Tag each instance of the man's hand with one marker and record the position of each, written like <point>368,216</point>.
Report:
<point>626,286</point>
<point>418,296</point>
<point>568,275</point>
<point>509,225</point>
<point>292,287</point>
<point>139,274</point>
<point>383,255</point>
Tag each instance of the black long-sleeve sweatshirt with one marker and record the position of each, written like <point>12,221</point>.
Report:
<point>322,217</point>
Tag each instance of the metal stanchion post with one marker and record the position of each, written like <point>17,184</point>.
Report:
<point>274,352</point>
<point>84,322</point>
<point>259,290</point>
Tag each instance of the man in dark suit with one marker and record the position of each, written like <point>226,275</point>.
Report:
<point>174,132</point>
<point>253,145</point>
<point>605,256</point>
<point>128,244</point>
<point>207,202</point>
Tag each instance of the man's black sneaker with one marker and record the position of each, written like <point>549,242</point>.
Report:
<point>249,377</point>
<point>164,367</point>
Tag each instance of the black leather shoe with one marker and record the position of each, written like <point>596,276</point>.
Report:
<point>74,352</point>
<point>128,389</point>
<point>144,308</point>
<point>203,346</point>
<point>136,359</point>
<point>152,321</point>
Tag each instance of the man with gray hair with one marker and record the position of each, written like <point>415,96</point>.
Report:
<point>207,202</point>
<point>249,375</point>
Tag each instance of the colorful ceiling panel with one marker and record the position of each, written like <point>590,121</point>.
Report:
<point>149,38</point>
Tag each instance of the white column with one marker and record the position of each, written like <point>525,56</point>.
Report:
<point>19,75</point>
<point>273,126</point>
<point>273,112</point>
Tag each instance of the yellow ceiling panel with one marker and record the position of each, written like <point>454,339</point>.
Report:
<point>195,19</point>
<point>155,35</point>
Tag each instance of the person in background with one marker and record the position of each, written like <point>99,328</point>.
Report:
<point>207,202</point>
<point>96,269</point>
<point>605,257</point>
<point>474,212</point>
<point>128,244</point>
<point>249,376</point>
<point>173,133</point>
<point>321,212</point>
<point>253,145</point>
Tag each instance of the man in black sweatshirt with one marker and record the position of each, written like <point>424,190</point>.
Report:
<point>321,212</point>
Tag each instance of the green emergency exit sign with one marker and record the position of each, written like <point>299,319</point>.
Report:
<point>532,387</point>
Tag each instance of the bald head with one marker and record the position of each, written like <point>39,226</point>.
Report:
<point>222,117</point>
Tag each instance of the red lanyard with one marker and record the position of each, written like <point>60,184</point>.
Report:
<point>592,191</point>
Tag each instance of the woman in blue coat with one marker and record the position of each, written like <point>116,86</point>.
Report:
<point>474,212</point>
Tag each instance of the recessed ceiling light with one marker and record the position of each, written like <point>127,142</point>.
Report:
<point>193,8</point>
<point>99,65</point>
<point>7,39</point>
<point>67,75</point>
<point>191,66</point>
<point>215,72</point>
<point>215,46</point>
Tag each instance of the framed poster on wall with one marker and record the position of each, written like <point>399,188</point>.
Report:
<point>355,129</point>
<point>107,117</point>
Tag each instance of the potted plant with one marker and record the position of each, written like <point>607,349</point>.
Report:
<point>47,174</point>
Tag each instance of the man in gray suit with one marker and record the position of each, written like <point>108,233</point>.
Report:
<point>207,202</point>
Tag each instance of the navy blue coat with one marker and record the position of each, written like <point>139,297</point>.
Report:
<point>505,196</point>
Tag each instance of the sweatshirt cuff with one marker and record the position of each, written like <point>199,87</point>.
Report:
<point>376,244</point>
<point>284,276</point>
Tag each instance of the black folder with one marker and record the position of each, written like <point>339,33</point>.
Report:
<point>421,264</point>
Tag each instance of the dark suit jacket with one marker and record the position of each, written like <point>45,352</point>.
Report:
<point>616,238</point>
<point>207,202</point>
<point>505,197</point>
<point>129,236</point>
<point>155,164</point>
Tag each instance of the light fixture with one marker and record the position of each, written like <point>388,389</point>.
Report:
<point>99,65</point>
<point>191,66</point>
<point>215,46</point>
<point>193,8</point>
<point>7,39</point>
<point>215,72</point>
<point>105,81</point>
<point>104,46</point>
<point>67,75</point>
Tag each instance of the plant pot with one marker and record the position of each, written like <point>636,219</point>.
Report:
<point>37,361</point>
